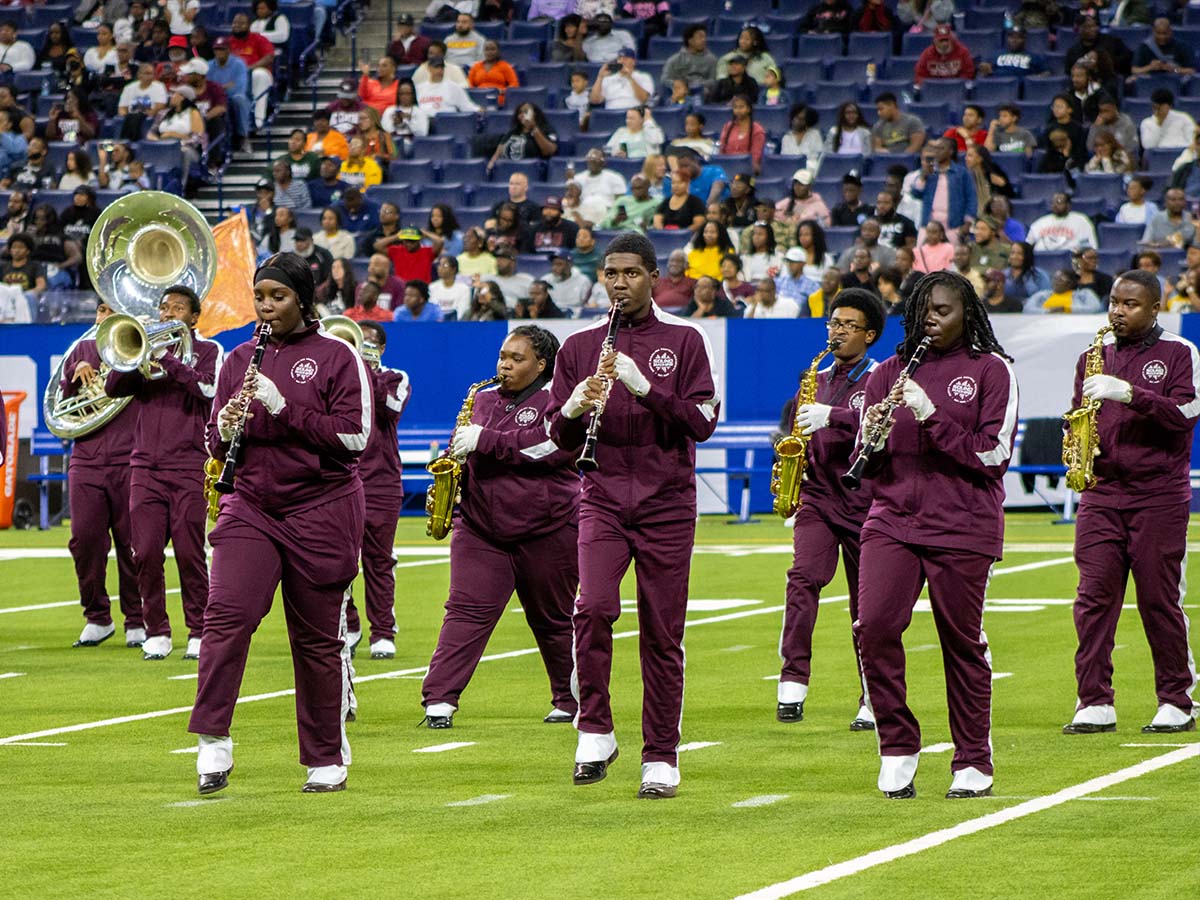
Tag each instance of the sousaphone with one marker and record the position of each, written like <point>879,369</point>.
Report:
<point>140,245</point>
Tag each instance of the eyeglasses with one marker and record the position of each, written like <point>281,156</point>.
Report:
<point>840,325</point>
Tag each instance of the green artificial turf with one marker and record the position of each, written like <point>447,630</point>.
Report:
<point>114,812</point>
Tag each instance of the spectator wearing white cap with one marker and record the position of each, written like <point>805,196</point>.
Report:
<point>765,303</point>
<point>211,99</point>
<point>624,88</point>
<point>803,203</point>
<point>792,283</point>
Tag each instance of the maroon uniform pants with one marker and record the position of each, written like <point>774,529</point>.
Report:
<point>816,541</point>
<point>1152,545</point>
<point>891,577</point>
<point>663,552</point>
<point>310,555</point>
<point>99,499</point>
<point>483,575</point>
<point>379,575</point>
<point>169,506</point>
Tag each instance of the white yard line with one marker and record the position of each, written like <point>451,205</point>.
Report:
<point>937,748</point>
<point>1099,799</point>
<point>697,745</point>
<point>37,606</point>
<point>400,673</point>
<point>480,800</point>
<point>996,676</point>
<point>971,826</point>
<point>442,748</point>
<point>12,674</point>
<point>190,677</point>
<point>38,744</point>
<point>1029,567</point>
<point>761,800</point>
<point>1189,744</point>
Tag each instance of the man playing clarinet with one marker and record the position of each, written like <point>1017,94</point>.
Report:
<point>639,505</point>
<point>936,519</point>
<point>1135,519</point>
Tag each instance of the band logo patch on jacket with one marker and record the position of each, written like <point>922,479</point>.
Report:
<point>304,370</point>
<point>663,362</point>
<point>526,415</point>
<point>1154,371</point>
<point>962,389</point>
<point>856,400</point>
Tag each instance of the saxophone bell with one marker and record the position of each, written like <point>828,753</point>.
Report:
<point>791,451</point>
<point>447,469</point>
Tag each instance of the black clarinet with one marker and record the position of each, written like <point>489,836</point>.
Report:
<point>852,480</point>
<point>224,484</point>
<point>587,459</point>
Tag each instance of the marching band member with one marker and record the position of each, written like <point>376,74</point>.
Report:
<point>295,518</point>
<point>98,489</point>
<point>830,516</point>
<point>936,519</point>
<point>640,504</point>
<point>516,530</point>
<point>379,470</point>
<point>166,493</point>
<point>1135,519</point>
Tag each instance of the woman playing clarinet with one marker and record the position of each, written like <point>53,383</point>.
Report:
<point>302,418</point>
<point>936,519</point>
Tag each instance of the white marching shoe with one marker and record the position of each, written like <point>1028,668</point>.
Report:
<point>135,637</point>
<point>383,649</point>
<point>214,762</point>
<point>94,635</point>
<point>157,647</point>
<point>193,649</point>
<point>1092,720</point>
<point>969,783</point>
<point>325,780</point>
<point>897,776</point>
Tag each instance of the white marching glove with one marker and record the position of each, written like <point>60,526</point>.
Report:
<point>466,439</point>
<point>267,394</point>
<point>574,407</point>
<point>223,429</point>
<point>631,376</point>
<point>918,401</point>
<point>1106,387</point>
<point>812,417</point>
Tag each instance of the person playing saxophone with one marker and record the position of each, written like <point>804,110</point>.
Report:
<point>830,516</point>
<point>516,529</point>
<point>1134,520</point>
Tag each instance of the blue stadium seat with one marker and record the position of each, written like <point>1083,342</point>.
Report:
<point>1114,261</point>
<point>1172,260</point>
<point>838,240</point>
<point>585,142</point>
<point>670,119</point>
<point>56,153</point>
<point>61,201</point>
<point>399,194</point>
<point>984,19</point>
<point>534,169</point>
<point>994,91</point>
<point>669,239</point>
<point>539,96</point>
<point>606,121</point>
<point>914,44</point>
<point>472,216</point>
<point>781,44</point>
<point>556,173</point>
<point>27,82</point>
<point>661,47</point>
<point>496,121</point>
<point>488,98</point>
<point>450,193</point>
<point>852,68</point>
<point>1189,105</point>
<point>1027,210</point>
<point>951,91</point>
<point>1041,88</point>
<point>835,92</point>
<point>775,119</point>
<point>1145,85</point>
<point>626,168</point>
<point>489,194</point>
<point>493,31</point>
<point>835,165</point>
<point>875,45</point>
<point>818,46</point>
<point>1130,35</point>
<point>734,163</point>
<point>1159,161</point>
<point>565,122</point>
<point>555,76</point>
<point>679,24</point>
<point>1011,164</point>
<point>435,147</point>
<point>469,171</point>
<point>777,166</point>
<point>798,72</point>
<point>1109,189</point>
<point>882,161</point>
<point>83,38</point>
<point>1089,206</point>
<point>411,170</point>
<point>773,189</point>
<point>982,42</point>
<point>936,116</point>
<point>1041,187</point>
<point>1037,40</point>
<point>522,30</point>
<point>1051,261</point>
<point>519,53</point>
<point>165,156</point>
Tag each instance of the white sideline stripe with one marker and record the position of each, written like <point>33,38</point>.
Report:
<point>400,673</point>
<point>11,674</point>
<point>762,800</point>
<point>771,677</point>
<point>480,800</point>
<point>1190,744</point>
<point>188,804</point>
<point>37,744</point>
<point>442,748</point>
<point>1029,567</point>
<point>1014,608</point>
<point>737,648</point>
<point>14,609</point>
<point>971,826</point>
<point>191,677</point>
<point>187,750</point>
<point>696,745</point>
<point>937,748</point>
<point>1098,799</point>
<point>996,676</point>
<point>921,648</point>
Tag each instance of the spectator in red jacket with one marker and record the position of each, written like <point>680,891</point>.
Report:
<point>947,58</point>
<point>742,134</point>
<point>407,47</point>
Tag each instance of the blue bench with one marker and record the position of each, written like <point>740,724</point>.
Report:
<point>45,445</point>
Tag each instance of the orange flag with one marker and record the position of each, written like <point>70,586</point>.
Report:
<point>230,303</point>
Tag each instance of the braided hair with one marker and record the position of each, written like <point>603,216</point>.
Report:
<point>977,328</point>
<point>544,344</point>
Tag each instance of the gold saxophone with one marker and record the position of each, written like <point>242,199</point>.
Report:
<point>1081,439</point>
<point>791,451</point>
<point>446,470</point>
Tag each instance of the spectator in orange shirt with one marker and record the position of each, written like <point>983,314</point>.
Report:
<point>367,308</point>
<point>326,141</point>
<point>379,93</point>
<point>492,72</point>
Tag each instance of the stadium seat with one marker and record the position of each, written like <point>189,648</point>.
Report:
<point>951,91</point>
<point>496,121</point>
<point>775,119</point>
<point>539,96</point>
<point>1114,261</point>
<point>1037,40</point>
<point>435,146</point>
<point>522,30</point>
<point>534,169</point>
<point>626,168</point>
<point>488,98</point>
<point>1089,206</point>
<point>493,31</point>
<point>877,46</point>
<point>838,240</point>
<point>914,43</point>
<point>554,76</point>
<point>411,170</point>
<point>984,19</point>
<point>1115,236</point>
<point>798,72</point>
<point>936,116</point>
<point>1041,88</point>
<point>781,44</point>
<point>585,142</point>
<point>852,69</point>
<point>1051,261</point>
<point>734,163</point>
<point>994,91</point>
<point>1110,189</point>
<point>1028,210</point>
<point>56,153</point>
<point>61,201</point>
<point>1041,187</point>
<point>982,43</point>
<point>836,165</point>
<point>165,156</point>
<point>1145,85</point>
<point>606,121</point>
<point>1011,164</point>
<point>679,23</point>
<point>818,46</point>
<point>1158,161</point>
<point>835,92</point>
<point>565,122</point>
<point>775,166</point>
<point>669,239</point>
<point>661,47</point>
<point>489,194</point>
<point>399,194</point>
<point>522,52</point>
<point>468,171</point>
<point>670,119</point>
<point>472,216</point>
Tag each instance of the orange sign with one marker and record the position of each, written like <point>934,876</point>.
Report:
<point>230,303</point>
<point>10,407</point>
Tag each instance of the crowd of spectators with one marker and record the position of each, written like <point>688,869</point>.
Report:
<point>1033,147</point>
